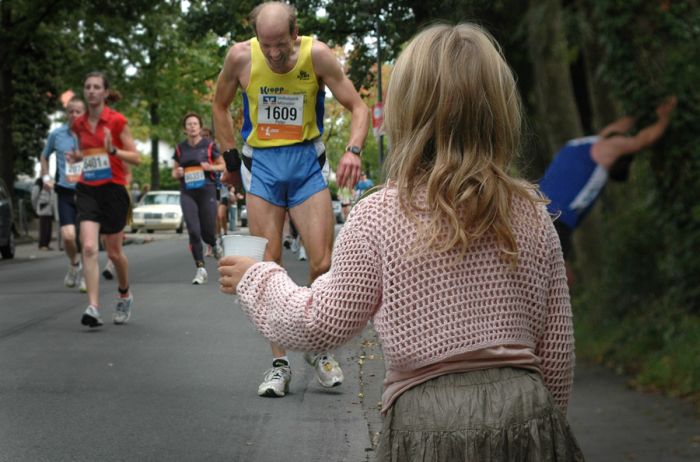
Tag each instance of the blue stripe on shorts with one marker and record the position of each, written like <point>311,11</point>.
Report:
<point>287,175</point>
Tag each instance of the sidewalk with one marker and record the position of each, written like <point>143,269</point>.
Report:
<point>27,247</point>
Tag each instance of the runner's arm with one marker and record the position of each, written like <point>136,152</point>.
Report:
<point>128,153</point>
<point>226,88</point>
<point>331,74</point>
<point>178,171</point>
<point>44,161</point>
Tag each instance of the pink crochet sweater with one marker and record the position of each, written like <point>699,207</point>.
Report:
<point>430,308</point>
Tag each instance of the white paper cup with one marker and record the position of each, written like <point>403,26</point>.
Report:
<point>244,246</point>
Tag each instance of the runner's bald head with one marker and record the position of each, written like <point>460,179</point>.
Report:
<point>274,15</point>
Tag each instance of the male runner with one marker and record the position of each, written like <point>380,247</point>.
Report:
<point>62,140</point>
<point>576,176</point>
<point>282,77</point>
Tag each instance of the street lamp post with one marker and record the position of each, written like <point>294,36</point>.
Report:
<point>379,88</point>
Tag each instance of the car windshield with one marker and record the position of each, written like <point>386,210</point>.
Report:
<point>158,199</point>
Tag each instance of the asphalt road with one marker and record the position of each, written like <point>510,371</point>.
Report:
<point>179,381</point>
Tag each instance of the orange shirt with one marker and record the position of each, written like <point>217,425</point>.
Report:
<point>98,166</point>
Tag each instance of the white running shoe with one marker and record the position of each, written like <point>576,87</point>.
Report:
<point>294,246</point>
<point>200,276</point>
<point>108,272</point>
<point>218,251</point>
<point>72,276</point>
<point>123,310</point>
<point>83,286</point>
<point>91,317</point>
<point>276,381</point>
<point>328,371</point>
<point>302,253</point>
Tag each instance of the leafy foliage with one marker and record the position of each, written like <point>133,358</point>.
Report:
<point>651,52</point>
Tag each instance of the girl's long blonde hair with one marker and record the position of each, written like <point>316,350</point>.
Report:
<point>453,119</point>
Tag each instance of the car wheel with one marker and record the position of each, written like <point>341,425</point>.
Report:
<point>149,231</point>
<point>8,251</point>
<point>181,227</point>
<point>244,223</point>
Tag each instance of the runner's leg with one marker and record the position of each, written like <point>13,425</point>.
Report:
<point>267,220</point>
<point>89,236</point>
<point>191,212</point>
<point>313,219</point>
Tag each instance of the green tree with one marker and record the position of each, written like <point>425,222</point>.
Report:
<point>47,47</point>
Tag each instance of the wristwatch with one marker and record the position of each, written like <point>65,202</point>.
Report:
<point>354,149</point>
<point>113,151</point>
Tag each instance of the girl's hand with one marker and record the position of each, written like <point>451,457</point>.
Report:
<point>231,270</point>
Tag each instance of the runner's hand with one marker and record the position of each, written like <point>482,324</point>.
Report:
<point>108,139</point>
<point>74,156</point>
<point>48,185</point>
<point>349,168</point>
<point>206,166</point>
<point>179,172</point>
<point>231,270</point>
<point>666,107</point>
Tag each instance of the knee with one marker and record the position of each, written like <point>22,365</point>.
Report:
<point>195,237</point>
<point>90,249</point>
<point>319,266</point>
<point>68,233</point>
<point>114,255</point>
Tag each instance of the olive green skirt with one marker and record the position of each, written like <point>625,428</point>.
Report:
<point>502,414</point>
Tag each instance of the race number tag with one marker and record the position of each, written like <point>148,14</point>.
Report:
<point>96,165</point>
<point>73,171</point>
<point>194,177</point>
<point>280,117</point>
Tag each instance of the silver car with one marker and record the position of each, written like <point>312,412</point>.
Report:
<point>159,210</point>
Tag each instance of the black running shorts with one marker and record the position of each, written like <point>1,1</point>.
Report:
<point>108,204</point>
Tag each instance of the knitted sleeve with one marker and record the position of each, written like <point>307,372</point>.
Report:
<point>556,345</point>
<point>334,309</point>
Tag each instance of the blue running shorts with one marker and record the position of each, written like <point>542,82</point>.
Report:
<point>285,176</point>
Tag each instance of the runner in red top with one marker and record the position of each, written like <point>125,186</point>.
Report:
<point>102,199</point>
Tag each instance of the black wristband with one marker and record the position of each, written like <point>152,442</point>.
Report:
<point>113,151</point>
<point>232,159</point>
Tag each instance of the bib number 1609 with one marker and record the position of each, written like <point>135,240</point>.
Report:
<point>281,113</point>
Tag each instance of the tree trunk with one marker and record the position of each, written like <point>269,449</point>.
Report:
<point>155,155</point>
<point>7,148</point>
<point>603,107</point>
<point>557,112</point>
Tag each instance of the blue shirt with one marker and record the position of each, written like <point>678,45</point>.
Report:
<point>573,181</point>
<point>60,141</point>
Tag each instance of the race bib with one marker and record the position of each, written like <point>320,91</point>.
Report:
<point>280,117</point>
<point>73,171</point>
<point>96,165</point>
<point>194,177</point>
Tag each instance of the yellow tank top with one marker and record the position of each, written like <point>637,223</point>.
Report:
<point>282,109</point>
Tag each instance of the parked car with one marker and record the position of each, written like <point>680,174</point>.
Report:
<point>338,212</point>
<point>7,237</point>
<point>159,210</point>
